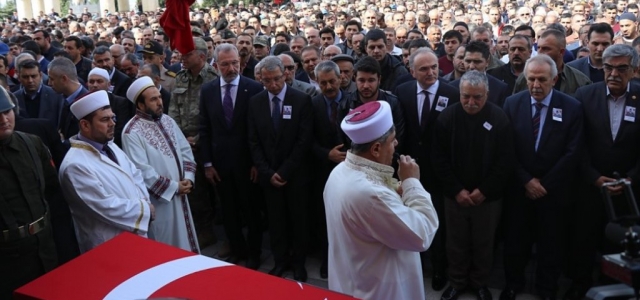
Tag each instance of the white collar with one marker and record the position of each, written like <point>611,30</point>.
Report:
<point>376,172</point>
<point>234,82</point>
<point>433,89</point>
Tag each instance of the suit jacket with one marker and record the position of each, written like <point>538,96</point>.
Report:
<point>404,79</point>
<point>51,105</point>
<point>44,129</point>
<point>224,146</point>
<point>124,110</point>
<point>302,76</point>
<point>304,87</point>
<point>283,150</point>
<point>497,90</point>
<point>121,83</point>
<point>418,138</point>
<point>604,155</point>
<point>559,149</point>
<point>68,122</point>
<point>325,136</point>
<point>504,74</point>
<point>581,65</point>
<point>166,100</point>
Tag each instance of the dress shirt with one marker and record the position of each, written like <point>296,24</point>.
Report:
<point>328,102</point>
<point>433,89</point>
<point>543,113</point>
<point>98,146</point>
<point>280,96</point>
<point>34,95</point>
<point>234,89</point>
<point>73,95</point>
<point>616,111</point>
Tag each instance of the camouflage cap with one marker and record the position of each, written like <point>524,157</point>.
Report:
<point>196,31</point>
<point>261,40</point>
<point>200,44</point>
<point>227,34</point>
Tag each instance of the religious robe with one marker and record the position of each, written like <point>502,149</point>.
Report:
<point>160,150</point>
<point>375,235</point>
<point>105,198</point>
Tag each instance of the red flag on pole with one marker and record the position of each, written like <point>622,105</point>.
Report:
<point>175,22</point>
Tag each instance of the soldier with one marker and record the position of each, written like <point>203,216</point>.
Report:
<point>184,109</point>
<point>27,249</point>
<point>153,53</point>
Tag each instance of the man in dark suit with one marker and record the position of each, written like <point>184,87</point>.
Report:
<point>119,81</point>
<point>548,126</point>
<point>476,57</point>
<point>611,130</point>
<point>420,117</point>
<point>599,38</point>
<point>225,153</point>
<point>123,108</point>
<point>63,79</point>
<point>244,42</point>
<point>280,138</point>
<point>74,47</point>
<point>35,98</point>
<point>519,53</point>
<point>326,147</point>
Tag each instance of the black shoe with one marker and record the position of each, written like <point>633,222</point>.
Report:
<point>575,292</point>
<point>451,293</point>
<point>324,270</point>
<point>508,294</point>
<point>278,271</point>
<point>253,263</point>
<point>300,274</point>
<point>439,281</point>
<point>483,293</point>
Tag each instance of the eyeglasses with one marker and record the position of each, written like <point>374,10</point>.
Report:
<point>525,15</point>
<point>620,69</point>
<point>290,68</point>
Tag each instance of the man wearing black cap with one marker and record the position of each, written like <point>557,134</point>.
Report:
<point>153,53</point>
<point>345,63</point>
<point>26,176</point>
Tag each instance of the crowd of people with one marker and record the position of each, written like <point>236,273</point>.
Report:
<point>513,117</point>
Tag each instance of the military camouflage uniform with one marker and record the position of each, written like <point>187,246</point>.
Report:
<point>184,109</point>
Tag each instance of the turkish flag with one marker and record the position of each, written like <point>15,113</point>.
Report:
<point>175,22</point>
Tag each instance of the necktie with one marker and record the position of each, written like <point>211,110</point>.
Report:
<point>110,154</point>
<point>536,120</point>
<point>426,108</point>
<point>275,112</point>
<point>227,104</point>
<point>334,114</point>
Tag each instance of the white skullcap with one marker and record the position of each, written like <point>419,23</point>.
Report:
<point>100,72</point>
<point>138,86</point>
<point>368,122</point>
<point>89,103</point>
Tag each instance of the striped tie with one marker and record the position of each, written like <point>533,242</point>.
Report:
<point>536,120</point>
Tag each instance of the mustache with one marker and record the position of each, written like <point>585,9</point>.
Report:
<point>613,78</point>
<point>471,106</point>
<point>537,90</point>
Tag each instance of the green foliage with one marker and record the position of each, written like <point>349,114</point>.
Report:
<point>64,7</point>
<point>6,11</point>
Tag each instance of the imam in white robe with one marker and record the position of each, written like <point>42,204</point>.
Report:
<point>105,198</point>
<point>159,149</point>
<point>375,235</point>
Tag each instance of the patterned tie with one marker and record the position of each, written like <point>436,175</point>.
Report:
<point>110,154</point>
<point>227,104</point>
<point>426,108</point>
<point>275,112</point>
<point>536,120</point>
<point>334,114</point>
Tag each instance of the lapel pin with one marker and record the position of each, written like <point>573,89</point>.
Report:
<point>633,97</point>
